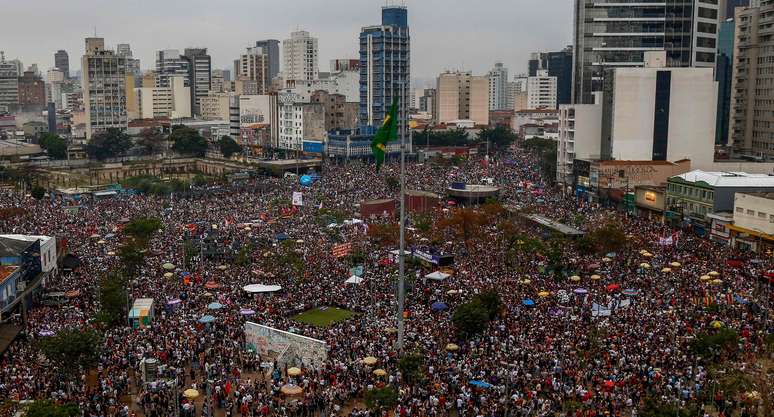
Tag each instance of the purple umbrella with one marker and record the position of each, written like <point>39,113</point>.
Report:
<point>173,302</point>
<point>556,312</point>
<point>247,312</point>
<point>580,291</point>
<point>45,333</point>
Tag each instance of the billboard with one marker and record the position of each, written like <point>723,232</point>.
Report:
<point>288,348</point>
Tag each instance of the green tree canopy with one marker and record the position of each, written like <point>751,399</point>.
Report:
<point>228,146</point>
<point>113,298</point>
<point>72,351</point>
<point>54,145</point>
<point>111,143</point>
<point>142,228</point>
<point>151,141</point>
<point>379,399</point>
<point>491,302</point>
<point>499,137</point>
<point>470,319</point>
<point>452,137</point>
<point>38,192</point>
<point>412,368</point>
<point>187,140</point>
<point>48,408</point>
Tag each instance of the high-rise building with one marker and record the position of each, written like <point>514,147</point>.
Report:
<point>498,87</point>
<point>723,75</point>
<point>726,8</point>
<point>299,123</point>
<point>132,64</point>
<point>462,96</point>
<point>300,57</point>
<point>199,75</point>
<point>62,61</point>
<point>752,97</point>
<point>254,66</point>
<point>339,113</point>
<point>219,83</point>
<point>173,102</point>
<point>385,69</point>
<point>270,47</point>
<point>170,63</point>
<point>541,91</point>
<point>613,34</point>
<point>559,65</point>
<point>338,65</point>
<point>9,84</point>
<point>104,88</point>
<point>32,91</point>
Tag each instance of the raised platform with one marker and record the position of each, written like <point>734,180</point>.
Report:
<point>473,193</point>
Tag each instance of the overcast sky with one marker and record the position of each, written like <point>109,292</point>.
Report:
<point>445,34</point>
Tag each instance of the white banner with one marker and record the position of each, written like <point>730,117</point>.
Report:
<point>288,348</point>
<point>298,198</point>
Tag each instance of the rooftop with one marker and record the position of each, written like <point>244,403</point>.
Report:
<point>6,271</point>
<point>727,179</point>
<point>768,196</point>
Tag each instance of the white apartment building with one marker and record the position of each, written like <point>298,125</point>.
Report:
<point>173,102</point>
<point>254,65</point>
<point>541,91</point>
<point>660,114</point>
<point>346,83</point>
<point>755,211</point>
<point>498,87</point>
<point>299,122</point>
<point>104,88</point>
<point>580,129</point>
<point>300,57</point>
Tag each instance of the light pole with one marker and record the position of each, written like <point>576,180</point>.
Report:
<point>402,253</point>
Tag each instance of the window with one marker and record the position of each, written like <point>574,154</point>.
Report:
<point>750,212</point>
<point>741,210</point>
<point>771,218</point>
<point>761,215</point>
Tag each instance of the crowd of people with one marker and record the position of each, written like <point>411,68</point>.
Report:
<point>560,346</point>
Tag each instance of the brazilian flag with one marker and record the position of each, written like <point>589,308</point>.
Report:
<point>388,132</point>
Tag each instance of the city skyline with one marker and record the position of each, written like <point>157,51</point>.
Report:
<point>483,38</point>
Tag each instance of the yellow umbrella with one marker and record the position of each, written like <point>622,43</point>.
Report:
<point>666,270</point>
<point>543,294</point>
<point>291,389</point>
<point>294,371</point>
<point>168,266</point>
<point>451,292</point>
<point>222,267</point>
<point>705,278</point>
<point>101,242</point>
<point>606,259</point>
<point>645,265</point>
<point>190,393</point>
<point>574,278</point>
<point>647,254</point>
<point>111,253</point>
<point>717,281</point>
<point>380,372</point>
<point>451,347</point>
<point>643,251</point>
<point>713,273</point>
<point>369,360</point>
<point>716,324</point>
<point>675,264</point>
<point>168,275</point>
<point>595,277</point>
<point>526,281</point>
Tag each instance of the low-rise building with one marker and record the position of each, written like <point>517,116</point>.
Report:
<point>214,106</point>
<point>753,226</point>
<point>339,113</point>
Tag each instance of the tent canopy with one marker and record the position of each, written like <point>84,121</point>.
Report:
<point>354,279</point>
<point>437,276</point>
<point>258,288</point>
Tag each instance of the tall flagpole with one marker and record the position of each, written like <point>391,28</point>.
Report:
<point>402,255</point>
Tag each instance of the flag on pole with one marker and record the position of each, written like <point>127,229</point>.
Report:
<point>388,132</point>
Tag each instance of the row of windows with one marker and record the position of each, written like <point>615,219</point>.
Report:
<point>695,192</point>
<point>761,215</point>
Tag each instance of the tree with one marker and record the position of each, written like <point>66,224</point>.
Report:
<point>228,146</point>
<point>412,368</point>
<point>464,222</point>
<point>713,345</point>
<point>470,319</point>
<point>491,302</point>
<point>393,183</point>
<point>187,140</point>
<point>38,192</point>
<point>452,137</point>
<point>608,238</point>
<point>384,234</point>
<point>379,399</point>
<point>54,145</point>
<point>48,408</point>
<point>142,228</point>
<point>151,141</point>
<point>546,149</point>
<point>132,255</point>
<point>113,298</point>
<point>499,138</point>
<point>72,351</point>
<point>108,144</point>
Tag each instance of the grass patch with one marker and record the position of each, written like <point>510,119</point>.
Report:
<point>326,317</point>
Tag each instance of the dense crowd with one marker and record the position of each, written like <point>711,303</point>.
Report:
<point>533,359</point>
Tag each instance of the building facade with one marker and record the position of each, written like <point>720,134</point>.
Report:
<point>32,91</point>
<point>723,75</point>
<point>9,84</point>
<point>559,65</point>
<point>271,49</point>
<point>172,102</point>
<point>613,34</point>
<point>215,106</point>
<point>254,66</point>
<point>170,63</point>
<point>498,87</point>
<point>752,94</point>
<point>104,88</point>
<point>62,61</point>
<point>541,91</point>
<point>300,123</point>
<point>339,113</point>
<point>199,75</point>
<point>300,57</point>
<point>385,70</point>
<point>580,127</point>
<point>462,96</point>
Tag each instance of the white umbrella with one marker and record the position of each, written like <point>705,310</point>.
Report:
<point>260,288</point>
<point>354,279</point>
<point>437,276</point>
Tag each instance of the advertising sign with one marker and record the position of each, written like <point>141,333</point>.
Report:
<point>288,348</point>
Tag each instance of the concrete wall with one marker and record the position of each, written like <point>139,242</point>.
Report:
<point>760,206</point>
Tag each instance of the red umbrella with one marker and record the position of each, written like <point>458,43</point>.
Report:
<point>211,285</point>
<point>613,287</point>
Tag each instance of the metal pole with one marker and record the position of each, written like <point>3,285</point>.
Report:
<point>402,255</point>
